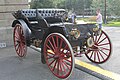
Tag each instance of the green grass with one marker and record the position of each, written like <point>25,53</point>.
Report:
<point>112,24</point>
<point>93,20</point>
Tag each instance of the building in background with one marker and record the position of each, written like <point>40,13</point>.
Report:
<point>6,18</point>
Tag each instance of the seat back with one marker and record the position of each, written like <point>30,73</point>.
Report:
<point>43,17</point>
<point>31,14</point>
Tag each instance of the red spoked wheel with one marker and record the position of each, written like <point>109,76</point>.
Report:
<point>19,41</point>
<point>59,55</point>
<point>101,50</point>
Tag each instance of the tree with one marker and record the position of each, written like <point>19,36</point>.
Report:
<point>76,5</point>
<point>98,4</point>
<point>59,3</point>
<point>41,4</point>
<point>112,6</point>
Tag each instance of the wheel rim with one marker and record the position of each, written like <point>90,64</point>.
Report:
<point>19,41</point>
<point>59,55</point>
<point>101,50</point>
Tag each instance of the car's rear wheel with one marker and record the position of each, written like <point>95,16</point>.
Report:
<point>19,40</point>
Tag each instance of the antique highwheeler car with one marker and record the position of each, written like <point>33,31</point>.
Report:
<point>60,41</point>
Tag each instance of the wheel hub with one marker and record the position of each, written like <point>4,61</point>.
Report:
<point>56,57</point>
<point>59,56</point>
<point>95,47</point>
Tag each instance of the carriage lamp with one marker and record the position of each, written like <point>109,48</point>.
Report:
<point>90,42</point>
<point>75,33</point>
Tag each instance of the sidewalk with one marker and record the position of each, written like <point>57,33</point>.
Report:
<point>6,37</point>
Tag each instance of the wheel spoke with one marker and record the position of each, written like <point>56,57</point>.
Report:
<point>57,42</point>
<point>61,70</point>
<point>51,53</point>
<point>17,44</point>
<point>49,57</point>
<point>63,64</point>
<point>58,66</point>
<point>61,43</point>
<point>101,55</point>
<point>19,51</point>
<point>23,49</point>
<point>95,56</point>
<point>53,40</point>
<point>102,48</point>
<point>99,38</point>
<point>16,37</point>
<point>64,48</point>
<point>104,44</point>
<point>91,55</point>
<point>51,45</point>
<point>54,65</point>
<point>67,60</point>
<point>18,31</point>
<point>18,47</point>
<point>98,56</point>
<point>103,52</point>
<point>102,40</point>
<point>51,62</point>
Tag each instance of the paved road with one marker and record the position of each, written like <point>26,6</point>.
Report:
<point>31,68</point>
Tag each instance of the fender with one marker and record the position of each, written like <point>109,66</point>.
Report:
<point>26,30</point>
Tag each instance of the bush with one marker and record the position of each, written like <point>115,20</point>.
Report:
<point>92,19</point>
<point>113,18</point>
<point>88,19</point>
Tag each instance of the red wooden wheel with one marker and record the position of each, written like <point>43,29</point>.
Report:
<point>19,41</point>
<point>101,50</point>
<point>59,55</point>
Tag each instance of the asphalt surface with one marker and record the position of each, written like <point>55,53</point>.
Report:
<point>31,68</point>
